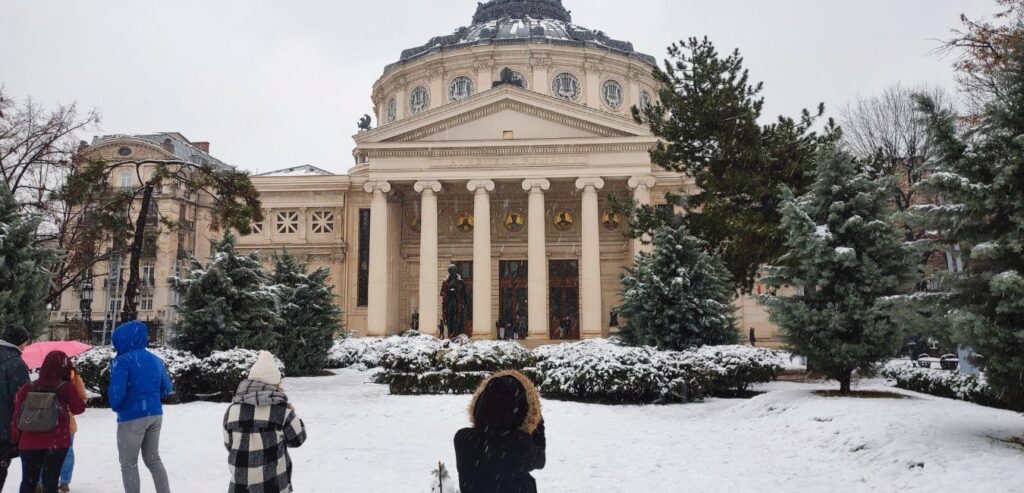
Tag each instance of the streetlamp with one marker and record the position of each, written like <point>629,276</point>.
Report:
<point>85,306</point>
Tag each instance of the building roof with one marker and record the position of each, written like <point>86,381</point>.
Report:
<point>304,170</point>
<point>172,142</point>
<point>523,21</point>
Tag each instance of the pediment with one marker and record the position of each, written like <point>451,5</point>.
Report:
<point>489,115</point>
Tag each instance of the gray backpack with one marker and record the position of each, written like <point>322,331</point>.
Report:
<point>40,412</point>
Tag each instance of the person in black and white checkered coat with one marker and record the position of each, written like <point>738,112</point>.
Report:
<point>259,428</point>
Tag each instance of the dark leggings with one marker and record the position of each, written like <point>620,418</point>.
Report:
<point>48,462</point>
<point>8,451</point>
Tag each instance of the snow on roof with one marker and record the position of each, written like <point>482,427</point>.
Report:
<point>304,170</point>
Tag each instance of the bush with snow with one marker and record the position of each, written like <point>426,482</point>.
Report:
<point>212,378</point>
<point>942,383</point>
<point>736,367</point>
<point>414,352</point>
<point>487,356</point>
<point>602,371</point>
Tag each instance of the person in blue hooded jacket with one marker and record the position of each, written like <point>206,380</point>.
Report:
<point>138,381</point>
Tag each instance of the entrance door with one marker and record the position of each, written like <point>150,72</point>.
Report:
<point>564,280</point>
<point>512,296</point>
<point>466,271</point>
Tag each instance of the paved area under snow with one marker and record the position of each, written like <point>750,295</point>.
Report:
<point>363,440</point>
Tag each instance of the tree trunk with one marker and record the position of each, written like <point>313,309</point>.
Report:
<point>130,311</point>
<point>844,383</point>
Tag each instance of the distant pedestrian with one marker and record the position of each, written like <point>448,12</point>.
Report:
<point>753,338</point>
<point>260,426</point>
<point>42,423</point>
<point>13,374</point>
<point>507,439</point>
<point>440,329</point>
<point>138,382</point>
<point>500,326</point>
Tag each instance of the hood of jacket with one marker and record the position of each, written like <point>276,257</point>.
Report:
<point>533,408</point>
<point>130,337</point>
<point>4,346</point>
<point>257,393</point>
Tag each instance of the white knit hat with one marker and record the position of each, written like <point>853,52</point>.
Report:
<point>265,370</point>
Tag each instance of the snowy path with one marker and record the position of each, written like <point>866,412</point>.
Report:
<point>362,440</point>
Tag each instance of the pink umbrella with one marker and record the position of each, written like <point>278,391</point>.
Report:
<point>36,353</point>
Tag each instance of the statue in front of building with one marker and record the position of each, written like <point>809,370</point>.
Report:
<point>453,302</point>
<point>364,123</point>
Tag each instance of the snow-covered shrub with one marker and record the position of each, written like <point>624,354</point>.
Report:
<point>601,371</point>
<point>435,382</point>
<point>94,368</point>
<point>217,376</point>
<point>736,367</point>
<point>486,356</point>
<point>941,383</point>
<point>346,352</point>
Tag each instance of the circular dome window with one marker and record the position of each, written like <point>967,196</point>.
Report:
<point>392,110</point>
<point>612,94</point>
<point>124,151</point>
<point>566,86</point>
<point>419,101</point>
<point>460,88</point>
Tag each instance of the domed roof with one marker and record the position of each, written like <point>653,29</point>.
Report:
<point>523,21</point>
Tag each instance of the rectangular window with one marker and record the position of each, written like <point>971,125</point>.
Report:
<point>363,289</point>
<point>148,274</point>
<point>323,222</point>
<point>146,301</point>
<point>287,222</point>
<point>126,179</point>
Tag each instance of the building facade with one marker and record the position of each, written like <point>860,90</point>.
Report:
<point>499,149</point>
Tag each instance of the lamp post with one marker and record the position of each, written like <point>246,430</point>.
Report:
<point>85,306</point>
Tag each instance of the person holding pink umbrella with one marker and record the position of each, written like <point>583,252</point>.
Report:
<point>13,374</point>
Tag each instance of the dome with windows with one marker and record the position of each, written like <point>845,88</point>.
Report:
<point>502,22</point>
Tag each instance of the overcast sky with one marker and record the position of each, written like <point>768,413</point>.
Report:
<point>273,83</point>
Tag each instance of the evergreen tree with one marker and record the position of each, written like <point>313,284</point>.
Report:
<point>309,319</point>
<point>679,296</point>
<point>848,258</point>
<point>708,126</point>
<point>226,304</point>
<point>24,268</point>
<point>980,180</point>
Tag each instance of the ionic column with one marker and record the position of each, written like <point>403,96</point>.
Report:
<point>641,186</point>
<point>537,273</point>
<point>429,284</point>
<point>483,322</point>
<point>377,306</point>
<point>590,268</point>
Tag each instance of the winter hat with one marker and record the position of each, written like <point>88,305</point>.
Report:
<point>265,370</point>
<point>15,335</point>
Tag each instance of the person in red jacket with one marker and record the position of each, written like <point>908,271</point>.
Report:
<point>45,452</point>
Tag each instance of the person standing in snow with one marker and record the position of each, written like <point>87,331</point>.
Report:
<point>260,426</point>
<point>69,462</point>
<point>43,452</point>
<point>13,374</point>
<point>138,382</point>
<point>507,439</point>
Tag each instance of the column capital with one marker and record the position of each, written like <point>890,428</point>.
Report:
<point>375,186</point>
<point>583,183</point>
<point>480,185</point>
<point>645,181</point>
<point>536,184</point>
<point>422,186</point>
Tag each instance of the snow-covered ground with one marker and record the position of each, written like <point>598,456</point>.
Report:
<point>363,440</point>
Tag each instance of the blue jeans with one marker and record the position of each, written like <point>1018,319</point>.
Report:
<point>69,465</point>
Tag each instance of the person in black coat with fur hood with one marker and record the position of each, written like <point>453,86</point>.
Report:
<point>507,439</point>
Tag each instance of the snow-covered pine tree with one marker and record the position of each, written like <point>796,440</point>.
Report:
<point>847,257</point>
<point>679,296</point>
<point>309,319</point>
<point>24,268</point>
<point>980,181</point>
<point>226,304</point>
